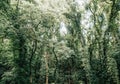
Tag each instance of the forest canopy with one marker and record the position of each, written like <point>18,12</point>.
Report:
<point>59,41</point>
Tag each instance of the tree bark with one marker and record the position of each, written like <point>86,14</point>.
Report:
<point>46,64</point>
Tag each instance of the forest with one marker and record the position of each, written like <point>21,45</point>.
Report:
<point>59,41</point>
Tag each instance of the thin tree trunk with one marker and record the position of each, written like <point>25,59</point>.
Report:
<point>46,64</point>
<point>34,46</point>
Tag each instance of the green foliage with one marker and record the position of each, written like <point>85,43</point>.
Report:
<point>32,51</point>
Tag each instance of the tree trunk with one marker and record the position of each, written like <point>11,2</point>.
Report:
<point>46,64</point>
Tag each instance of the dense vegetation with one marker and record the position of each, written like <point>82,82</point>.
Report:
<point>59,41</point>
